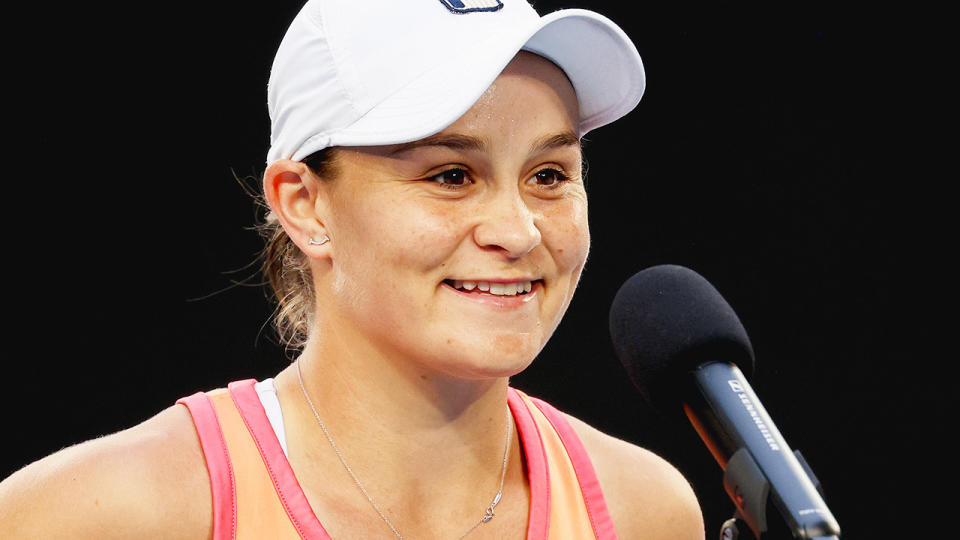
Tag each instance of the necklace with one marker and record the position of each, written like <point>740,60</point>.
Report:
<point>488,513</point>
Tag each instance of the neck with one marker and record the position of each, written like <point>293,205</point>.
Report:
<point>400,425</point>
<point>367,387</point>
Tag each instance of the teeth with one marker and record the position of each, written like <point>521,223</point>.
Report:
<point>499,289</point>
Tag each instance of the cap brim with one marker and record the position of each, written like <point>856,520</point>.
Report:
<point>600,60</point>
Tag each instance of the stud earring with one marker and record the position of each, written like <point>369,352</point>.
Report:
<point>321,242</point>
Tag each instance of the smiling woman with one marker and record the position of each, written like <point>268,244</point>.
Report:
<point>427,232</point>
<point>469,204</point>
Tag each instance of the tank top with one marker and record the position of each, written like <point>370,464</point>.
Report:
<point>256,494</point>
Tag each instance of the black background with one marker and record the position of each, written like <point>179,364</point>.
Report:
<point>765,155</point>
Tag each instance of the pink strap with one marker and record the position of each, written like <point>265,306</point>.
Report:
<point>587,477</point>
<point>539,519</point>
<point>288,488</point>
<point>218,465</point>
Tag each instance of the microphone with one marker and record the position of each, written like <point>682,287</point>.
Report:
<point>685,349</point>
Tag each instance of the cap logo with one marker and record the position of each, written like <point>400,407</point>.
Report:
<point>469,6</point>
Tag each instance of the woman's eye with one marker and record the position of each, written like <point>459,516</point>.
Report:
<point>451,177</point>
<point>549,177</point>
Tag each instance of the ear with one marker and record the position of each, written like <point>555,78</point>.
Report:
<point>292,191</point>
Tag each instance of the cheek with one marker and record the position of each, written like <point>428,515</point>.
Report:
<point>568,236</point>
<point>435,229</point>
<point>388,257</point>
<point>387,237</point>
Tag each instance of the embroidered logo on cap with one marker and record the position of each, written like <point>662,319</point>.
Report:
<point>468,6</point>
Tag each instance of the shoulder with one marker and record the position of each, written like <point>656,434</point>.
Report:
<point>147,481</point>
<point>647,497</point>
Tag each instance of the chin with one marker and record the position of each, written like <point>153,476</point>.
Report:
<point>485,372</point>
<point>499,356</point>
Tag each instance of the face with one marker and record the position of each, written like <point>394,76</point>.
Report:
<point>432,240</point>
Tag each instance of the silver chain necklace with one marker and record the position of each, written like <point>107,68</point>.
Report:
<point>488,513</point>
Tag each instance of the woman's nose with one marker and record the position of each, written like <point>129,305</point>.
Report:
<point>508,224</point>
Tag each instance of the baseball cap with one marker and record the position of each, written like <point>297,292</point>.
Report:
<point>378,72</point>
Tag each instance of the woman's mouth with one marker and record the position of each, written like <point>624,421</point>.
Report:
<point>515,288</point>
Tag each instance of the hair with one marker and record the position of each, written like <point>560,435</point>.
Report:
<point>287,269</point>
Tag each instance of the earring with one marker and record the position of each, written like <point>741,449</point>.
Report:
<point>313,242</point>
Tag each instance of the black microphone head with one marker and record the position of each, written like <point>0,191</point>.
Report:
<point>665,321</point>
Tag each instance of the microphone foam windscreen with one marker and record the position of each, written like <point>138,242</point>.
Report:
<point>665,321</point>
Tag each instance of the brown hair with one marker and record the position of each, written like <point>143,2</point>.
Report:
<point>287,268</point>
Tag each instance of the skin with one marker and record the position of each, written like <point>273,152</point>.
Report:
<point>495,196</point>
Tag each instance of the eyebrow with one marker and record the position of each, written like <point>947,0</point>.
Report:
<point>453,141</point>
<point>550,142</point>
<point>465,143</point>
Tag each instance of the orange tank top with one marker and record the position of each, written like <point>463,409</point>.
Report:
<point>256,494</point>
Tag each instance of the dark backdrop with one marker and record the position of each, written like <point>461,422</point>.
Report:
<point>762,156</point>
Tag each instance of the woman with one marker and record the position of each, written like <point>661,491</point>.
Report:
<point>428,228</point>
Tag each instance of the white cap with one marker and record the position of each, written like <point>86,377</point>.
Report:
<point>377,72</point>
